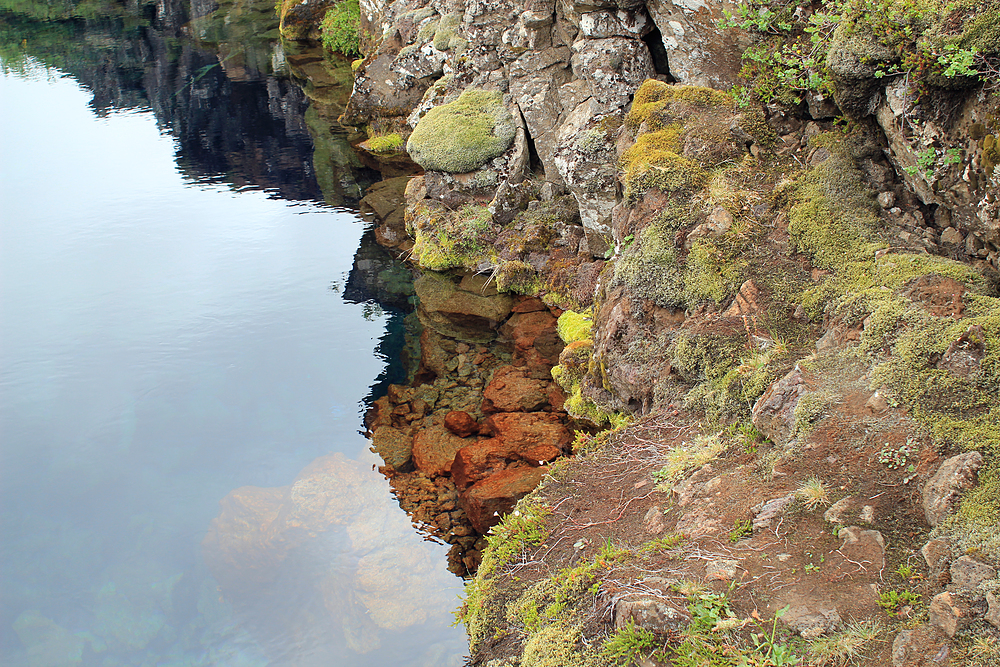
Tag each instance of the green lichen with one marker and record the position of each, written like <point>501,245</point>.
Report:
<point>650,266</point>
<point>463,135</point>
<point>711,273</point>
<point>573,327</point>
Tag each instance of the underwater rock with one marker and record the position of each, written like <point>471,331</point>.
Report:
<point>48,644</point>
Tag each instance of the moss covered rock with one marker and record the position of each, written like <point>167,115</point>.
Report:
<point>463,135</point>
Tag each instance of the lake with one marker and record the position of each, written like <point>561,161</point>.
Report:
<point>183,480</point>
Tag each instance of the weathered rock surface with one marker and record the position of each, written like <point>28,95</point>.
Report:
<point>488,500</point>
<point>943,490</point>
<point>774,412</point>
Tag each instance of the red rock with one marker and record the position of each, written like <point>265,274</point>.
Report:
<point>521,432</point>
<point>477,461</point>
<point>434,448</point>
<point>487,501</point>
<point>529,304</point>
<point>514,390</point>
<point>460,423</point>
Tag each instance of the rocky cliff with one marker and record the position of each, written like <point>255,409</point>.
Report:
<point>770,234</point>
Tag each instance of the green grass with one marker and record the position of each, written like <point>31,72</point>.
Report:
<point>340,28</point>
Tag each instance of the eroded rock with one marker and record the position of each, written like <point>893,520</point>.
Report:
<point>943,491</point>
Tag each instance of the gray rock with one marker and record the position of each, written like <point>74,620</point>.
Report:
<point>922,646</point>
<point>886,200</point>
<point>943,490</point>
<point>951,236</point>
<point>769,511</point>
<point>698,52</point>
<point>837,511</point>
<point>651,614</point>
<point>968,572</point>
<point>653,522</point>
<point>937,554</point>
<point>812,620</point>
<point>774,412</point>
<point>867,514</point>
<point>993,611</point>
<point>721,569</point>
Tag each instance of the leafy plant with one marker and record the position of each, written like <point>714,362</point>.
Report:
<point>892,600</point>
<point>778,654</point>
<point>340,28</point>
<point>740,530</point>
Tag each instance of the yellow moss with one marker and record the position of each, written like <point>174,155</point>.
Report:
<point>573,327</point>
<point>553,646</point>
<point>976,524</point>
<point>653,97</point>
<point>653,162</point>
<point>389,143</point>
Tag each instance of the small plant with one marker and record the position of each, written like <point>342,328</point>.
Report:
<point>740,530</point>
<point>904,571</point>
<point>844,646</point>
<point>778,654</point>
<point>340,28</point>
<point>896,458</point>
<point>813,493</point>
<point>629,644</point>
<point>667,543</point>
<point>893,600</point>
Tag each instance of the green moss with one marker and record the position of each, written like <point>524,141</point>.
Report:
<point>832,219</point>
<point>553,646</point>
<point>445,35</point>
<point>811,407</point>
<point>711,274</point>
<point>389,143</point>
<point>650,267</point>
<point>982,33</point>
<point>463,135</point>
<point>445,239</point>
<point>573,327</point>
<point>340,26</point>
<point>976,524</point>
<point>518,277</point>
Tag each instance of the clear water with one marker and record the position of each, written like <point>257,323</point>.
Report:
<point>166,342</point>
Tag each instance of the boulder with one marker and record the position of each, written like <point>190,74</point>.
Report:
<point>651,614</point>
<point>923,646</point>
<point>943,490</point>
<point>460,423</point>
<point>951,612</point>
<point>458,313</point>
<point>514,390</point>
<point>774,412</point>
<point>698,52</point>
<point>967,572</point>
<point>487,501</point>
<point>434,448</point>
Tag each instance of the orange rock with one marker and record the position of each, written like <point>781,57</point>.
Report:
<point>460,423</point>
<point>434,448</point>
<point>487,501</point>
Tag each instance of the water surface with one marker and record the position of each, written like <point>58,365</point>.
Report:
<point>169,339</point>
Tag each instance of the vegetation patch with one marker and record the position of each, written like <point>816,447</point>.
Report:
<point>463,135</point>
<point>388,143</point>
<point>445,239</point>
<point>573,327</point>
<point>340,28</point>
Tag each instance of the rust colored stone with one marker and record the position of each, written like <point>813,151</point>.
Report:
<point>460,423</point>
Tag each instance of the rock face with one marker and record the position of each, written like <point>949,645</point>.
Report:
<point>944,489</point>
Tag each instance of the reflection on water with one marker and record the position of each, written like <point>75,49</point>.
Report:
<point>169,339</point>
